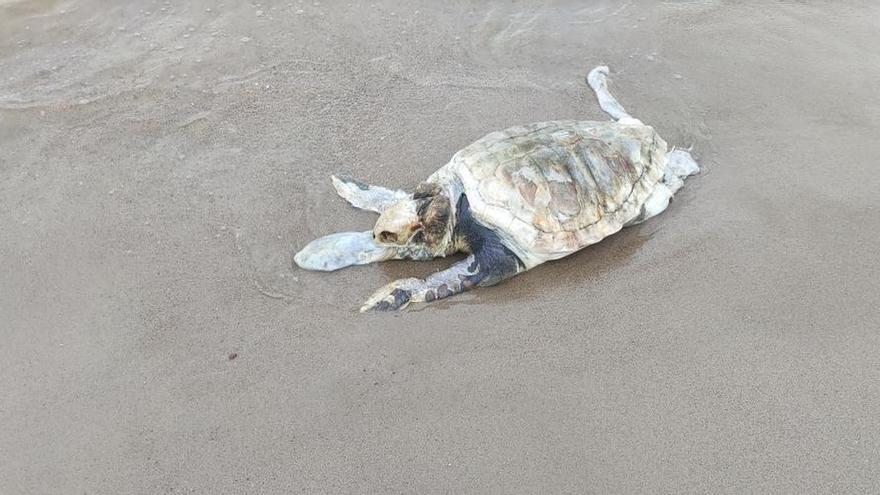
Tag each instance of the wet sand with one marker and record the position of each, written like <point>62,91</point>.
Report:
<point>160,163</point>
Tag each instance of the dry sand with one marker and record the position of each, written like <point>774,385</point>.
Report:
<point>160,163</point>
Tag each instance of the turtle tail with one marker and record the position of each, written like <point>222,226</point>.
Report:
<point>597,80</point>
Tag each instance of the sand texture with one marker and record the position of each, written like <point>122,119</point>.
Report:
<point>160,163</point>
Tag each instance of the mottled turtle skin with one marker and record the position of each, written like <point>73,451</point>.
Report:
<point>552,188</point>
<point>512,200</point>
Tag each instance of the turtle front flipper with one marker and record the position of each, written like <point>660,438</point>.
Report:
<point>490,263</point>
<point>398,294</point>
<point>365,196</point>
<point>343,249</point>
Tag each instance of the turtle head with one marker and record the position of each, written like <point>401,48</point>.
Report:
<point>420,221</point>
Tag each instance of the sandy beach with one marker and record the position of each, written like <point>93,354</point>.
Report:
<point>160,163</point>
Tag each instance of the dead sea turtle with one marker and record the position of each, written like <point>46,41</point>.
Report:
<point>512,200</point>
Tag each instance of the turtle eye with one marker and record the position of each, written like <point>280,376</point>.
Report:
<point>386,236</point>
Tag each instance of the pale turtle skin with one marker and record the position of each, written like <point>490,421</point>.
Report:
<point>513,199</point>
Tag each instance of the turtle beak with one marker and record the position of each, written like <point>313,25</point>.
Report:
<point>397,224</point>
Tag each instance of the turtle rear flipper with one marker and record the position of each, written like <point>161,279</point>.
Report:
<point>609,104</point>
<point>679,164</point>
